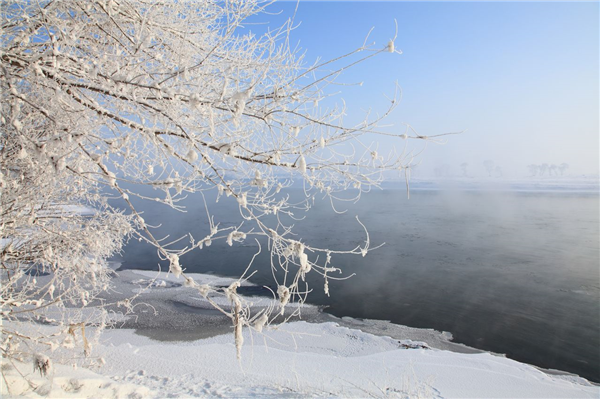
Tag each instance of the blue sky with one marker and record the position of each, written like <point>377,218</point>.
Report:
<point>520,78</point>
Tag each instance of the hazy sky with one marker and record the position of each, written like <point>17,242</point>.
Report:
<point>520,78</point>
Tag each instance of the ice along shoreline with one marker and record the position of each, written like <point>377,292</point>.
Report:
<point>174,304</point>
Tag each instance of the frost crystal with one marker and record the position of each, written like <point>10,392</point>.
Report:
<point>304,265</point>
<point>111,179</point>
<point>242,200</point>
<point>284,296</point>
<point>277,157</point>
<point>235,236</point>
<point>192,155</point>
<point>258,180</point>
<point>194,100</point>
<point>390,46</point>
<point>260,322</point>
<point>302,164</point>
<point>174,267</point>
<point>239,100</point>
<point>51,291</point>
<point>231,292</point>
<point>203,289</point>
<point>189,282</point>
<point>42,364</point>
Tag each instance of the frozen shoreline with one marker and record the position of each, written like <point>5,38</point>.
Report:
<point>193,318</point>
<point>312,314</point>
<point>326,357</point>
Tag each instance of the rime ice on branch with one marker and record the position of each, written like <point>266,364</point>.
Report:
<point>100,98</point>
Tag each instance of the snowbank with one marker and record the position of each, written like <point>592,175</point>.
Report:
<point>296,360</point>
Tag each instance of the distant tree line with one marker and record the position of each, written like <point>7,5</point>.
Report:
<point>493,170</point>
<point>550,169</point>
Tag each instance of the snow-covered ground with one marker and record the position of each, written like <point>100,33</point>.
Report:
<point>297,359</point>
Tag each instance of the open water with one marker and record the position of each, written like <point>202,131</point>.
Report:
<point>513,272</point>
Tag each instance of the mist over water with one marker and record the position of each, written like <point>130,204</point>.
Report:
<point>505,271</point>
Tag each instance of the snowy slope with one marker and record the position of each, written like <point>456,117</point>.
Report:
<point>299,359</point>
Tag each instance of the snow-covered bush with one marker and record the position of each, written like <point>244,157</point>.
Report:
<point>99,97</point>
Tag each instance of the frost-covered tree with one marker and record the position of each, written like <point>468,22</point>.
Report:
<point>562,168</point>
<point>489,167</point>
<point>498,171</point>
<point>463,167</point>
<point>100,98</point>
<point>533,169</point>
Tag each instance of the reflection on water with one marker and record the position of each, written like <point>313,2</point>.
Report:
<point>513,273</point>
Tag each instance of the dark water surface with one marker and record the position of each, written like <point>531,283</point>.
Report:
<point>508,272</point>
